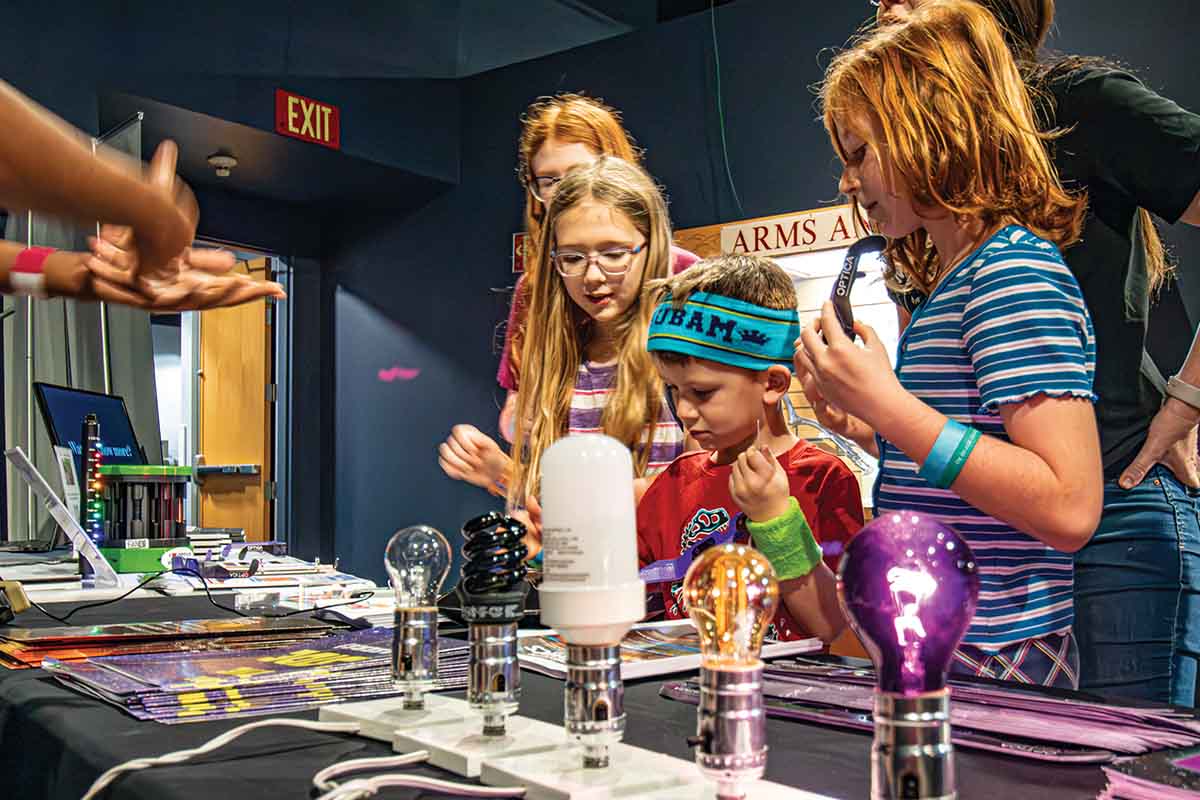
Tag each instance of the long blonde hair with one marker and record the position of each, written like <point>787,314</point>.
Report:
<point>957,127</point>
<point>569,118</point>
<point>557,330</point>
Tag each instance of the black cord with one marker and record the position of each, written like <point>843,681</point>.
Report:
<point>354,598</point>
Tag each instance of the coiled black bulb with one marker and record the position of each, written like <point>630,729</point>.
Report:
<point>494,554</point>
<point>492,591</point>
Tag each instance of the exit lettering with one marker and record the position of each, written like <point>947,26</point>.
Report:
<point>304,118</point>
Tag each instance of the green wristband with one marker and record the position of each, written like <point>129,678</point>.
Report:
<point>788,543</point>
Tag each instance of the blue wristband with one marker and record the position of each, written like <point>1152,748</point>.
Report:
<point>948,454</point>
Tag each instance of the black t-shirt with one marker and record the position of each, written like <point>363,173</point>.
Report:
<point>1129,148</point>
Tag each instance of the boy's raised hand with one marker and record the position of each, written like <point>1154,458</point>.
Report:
<point>759,485</point>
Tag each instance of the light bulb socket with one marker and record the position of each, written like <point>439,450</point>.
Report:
<point>494,674</point>
<point>594,700</point>
<point>912,757</point>
<point>415,654</point>
<point>731,734</point>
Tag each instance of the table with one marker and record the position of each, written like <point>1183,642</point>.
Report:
<point>55,742</point>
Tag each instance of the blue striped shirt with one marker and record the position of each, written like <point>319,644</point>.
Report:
<point>1007,323</point>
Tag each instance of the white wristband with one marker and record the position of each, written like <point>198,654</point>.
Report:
<point>1183,391</point>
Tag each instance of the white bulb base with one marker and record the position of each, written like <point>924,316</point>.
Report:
<point>594,701</point>
<point>494,676</point>
<point>912,755</point>
<point>415,654</point>
<point>731,735</point>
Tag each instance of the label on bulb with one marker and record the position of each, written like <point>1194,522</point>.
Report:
<point>564,558</point>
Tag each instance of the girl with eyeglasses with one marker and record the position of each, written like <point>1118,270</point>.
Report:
<point>1137,582</point>
<point>557,133</point>
<point>585,368</point>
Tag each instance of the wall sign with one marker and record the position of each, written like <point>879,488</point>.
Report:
<point>307,119</point>
<point>518,252</point>
<point>818,229</point>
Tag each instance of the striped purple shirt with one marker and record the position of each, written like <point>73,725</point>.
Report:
<point>593,384</point>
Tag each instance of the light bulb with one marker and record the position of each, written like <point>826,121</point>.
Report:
<point>417,560</point>
<point>492,592</point>
<point>909,584</point>
<point>731,594</point>
<point>590,591</point>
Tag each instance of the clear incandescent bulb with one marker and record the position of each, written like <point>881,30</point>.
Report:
<point>417,560</point>
<point>731,594</point>
<point>908,584</point>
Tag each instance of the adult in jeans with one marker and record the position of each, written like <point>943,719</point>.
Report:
<point>1137,583</point>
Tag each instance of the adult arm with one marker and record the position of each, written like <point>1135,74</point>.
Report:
<point>47,166</point>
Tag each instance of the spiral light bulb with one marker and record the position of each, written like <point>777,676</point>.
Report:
<point>417,560</point>
<point>908,583</point>
<point>731,594</point>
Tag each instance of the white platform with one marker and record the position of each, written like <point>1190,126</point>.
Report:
<point>462,748</point>
<point>632,773</point>
<point>381,719</point>
<point>536,755</point>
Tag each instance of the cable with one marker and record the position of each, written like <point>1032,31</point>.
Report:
<point>180,756</point>
<point>323,780</point>
<point>72,612</point>
<point>354,598</point>
<point>721,107</point>
<point>367,787</point>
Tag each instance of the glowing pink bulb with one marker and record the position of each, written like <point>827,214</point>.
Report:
<point>908,583</point>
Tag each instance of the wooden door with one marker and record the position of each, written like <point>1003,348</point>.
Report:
<point>235,378</point>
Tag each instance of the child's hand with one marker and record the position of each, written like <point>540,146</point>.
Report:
<point>759,485</point>
<point>472,456</point>
<point>857,380</point>
<point>531,517</point>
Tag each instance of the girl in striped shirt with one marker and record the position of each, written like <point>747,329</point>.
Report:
<point>585,368</point>
<point>986,421</point>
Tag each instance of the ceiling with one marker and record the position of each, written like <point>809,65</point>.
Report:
<point>270,166</point>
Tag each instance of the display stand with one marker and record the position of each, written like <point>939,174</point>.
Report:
<point>104,575</point>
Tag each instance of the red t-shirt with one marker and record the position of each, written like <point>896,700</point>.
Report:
<point>691,499</point>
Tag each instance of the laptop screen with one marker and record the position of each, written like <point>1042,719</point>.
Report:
<point>64,410</point>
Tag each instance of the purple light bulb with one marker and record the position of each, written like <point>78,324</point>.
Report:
<point>908,584</point>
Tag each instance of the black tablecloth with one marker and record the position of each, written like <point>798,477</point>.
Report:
<point>55,742</point>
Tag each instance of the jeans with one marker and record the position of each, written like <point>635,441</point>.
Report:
<point>1137,593</point>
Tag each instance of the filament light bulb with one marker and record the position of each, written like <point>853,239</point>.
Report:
<point>731,594</point>
<point>417,560</point>
<point>908,584</point>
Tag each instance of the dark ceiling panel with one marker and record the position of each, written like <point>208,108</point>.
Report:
<point>270,166</point>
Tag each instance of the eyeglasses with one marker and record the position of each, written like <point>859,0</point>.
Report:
<point>612,262</point>
<point>543,186</point>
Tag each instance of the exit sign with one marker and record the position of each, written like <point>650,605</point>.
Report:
<point>307,119</point>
